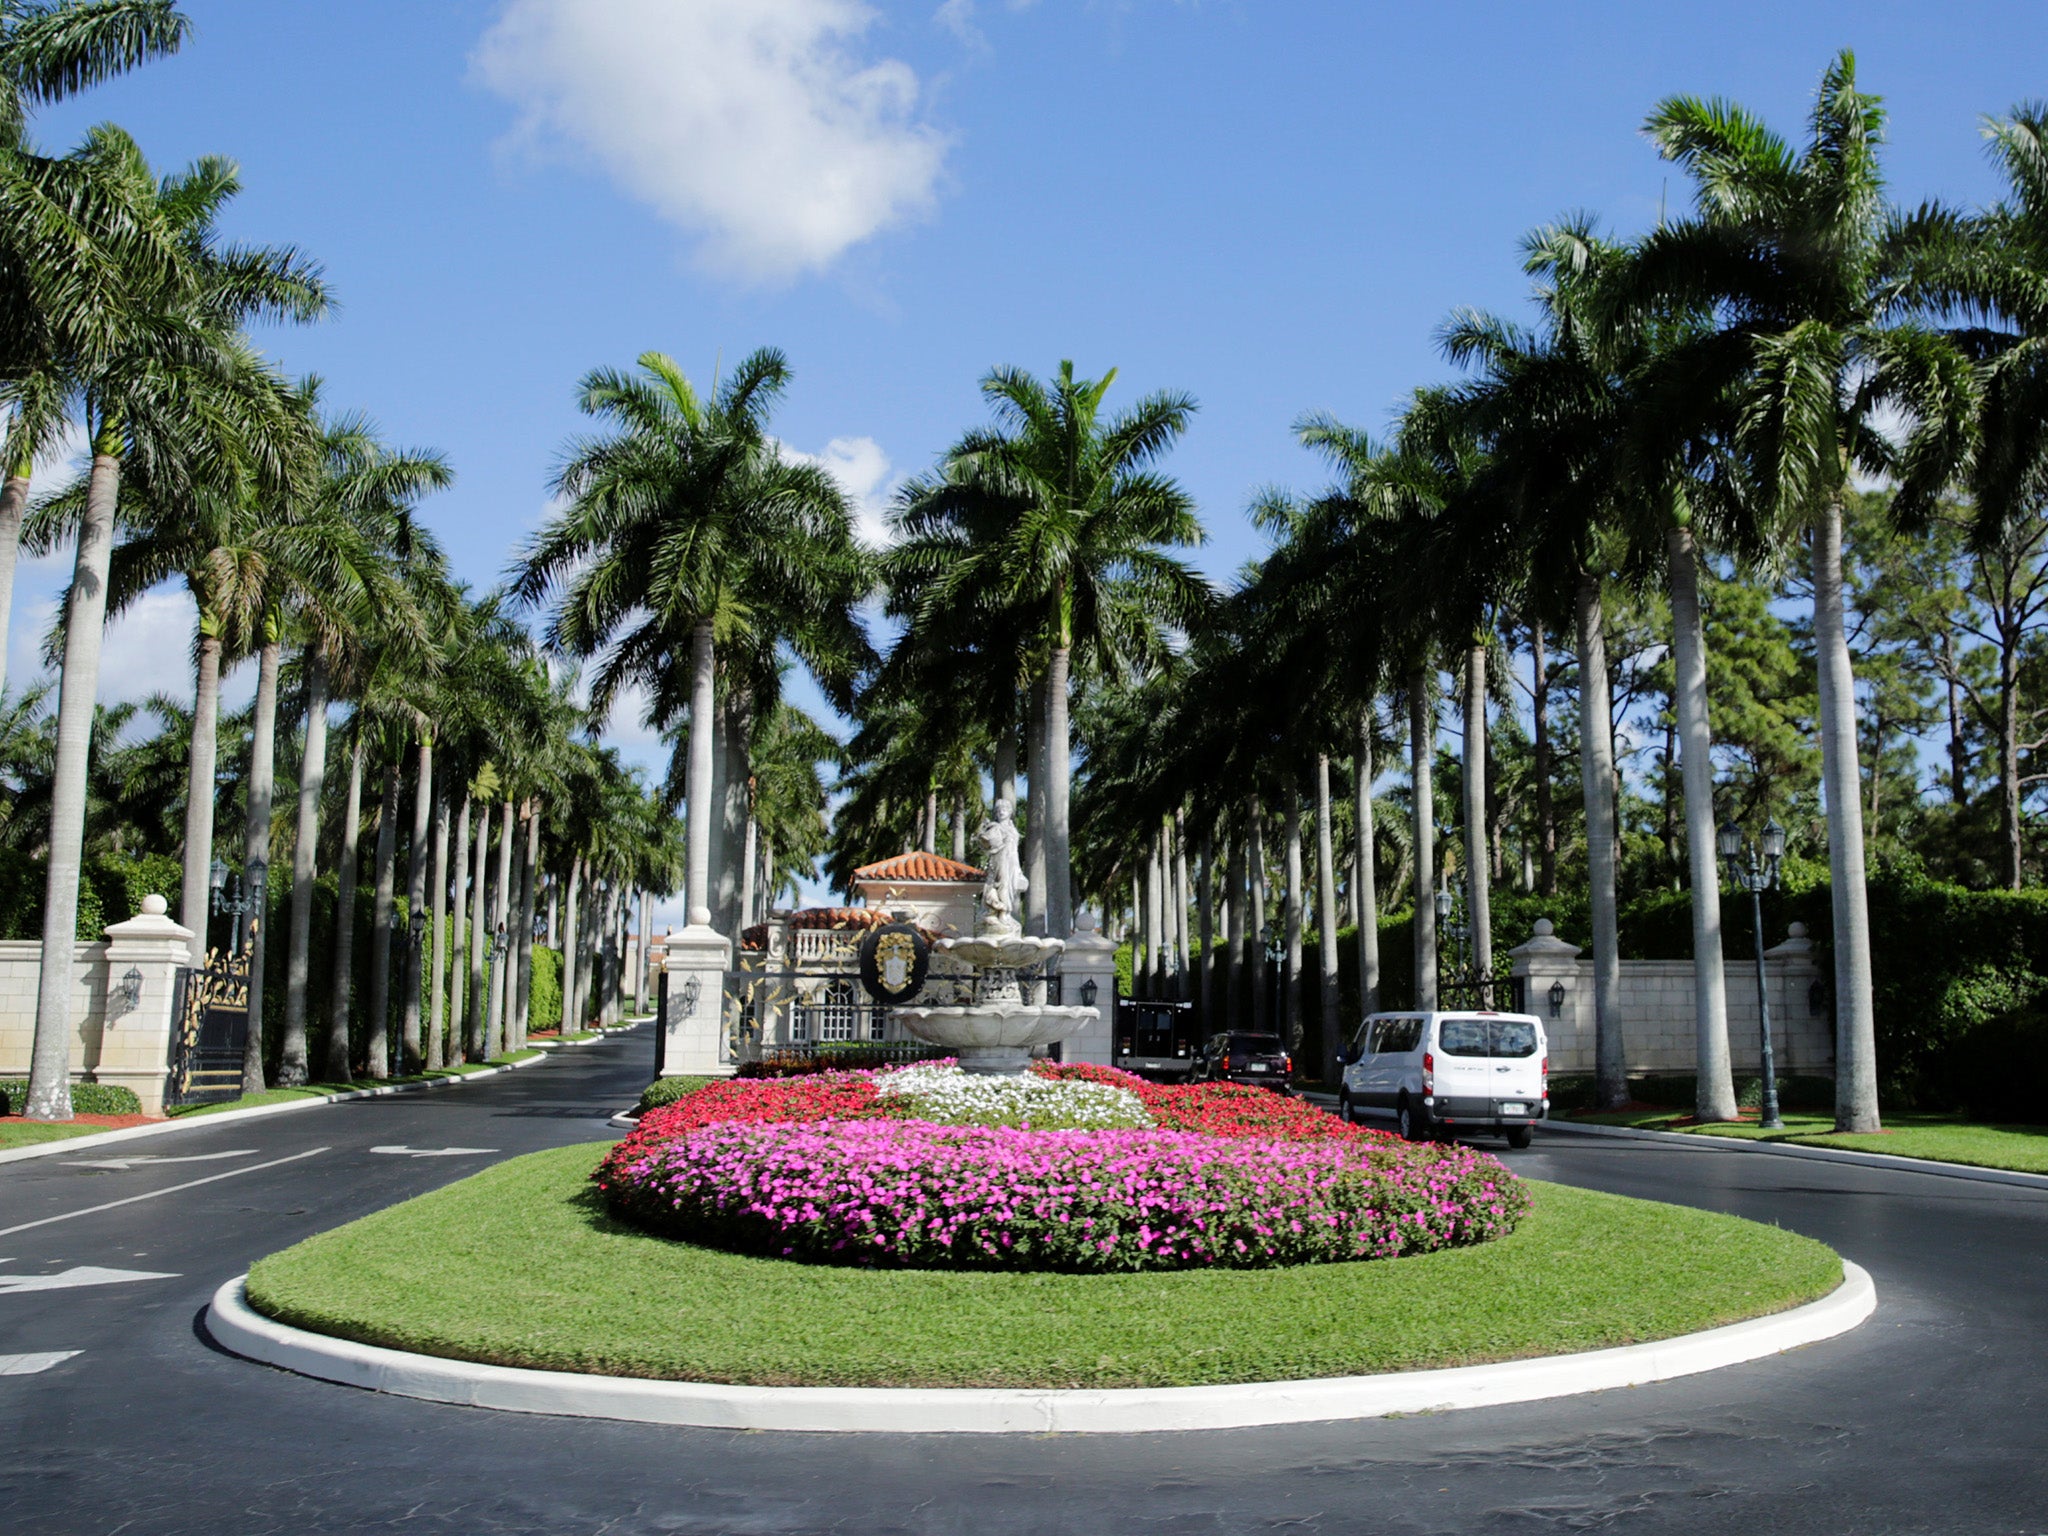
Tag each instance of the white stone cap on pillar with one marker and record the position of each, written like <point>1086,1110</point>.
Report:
<point>1545,945</point>
<point>1088,937</point>
<point>1797,945</point>
<point>148,932</point>
<point>699,947</point>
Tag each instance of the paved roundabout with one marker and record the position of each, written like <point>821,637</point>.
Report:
<point>118,1414</point>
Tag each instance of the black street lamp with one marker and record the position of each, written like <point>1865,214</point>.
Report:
<point>237,902</point>
<point>1756,875</point>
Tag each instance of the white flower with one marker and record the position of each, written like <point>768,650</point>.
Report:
<point>947,1096</point>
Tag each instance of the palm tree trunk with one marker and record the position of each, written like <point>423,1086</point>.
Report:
<point>501,923</point>
<point>643,941</point>
<point>1233,935</point>
<point>749,873</point>
<point>1182,957</point>
<point>1366,876</point>
<point>1326,920</point>
<point>201,763</point>
<point>1255,918</point>
<point>931,821</point>
<point>2008,757</point>
<point>1958,751</point>
<point>703,706</point>
<point>959,829</point>
<point>1596,774</point>
<point>13,502</point>
<point>569,935</point>
<point>437,987</point>
<point>1422,791</point>
<point>474,1043</point>
<point>292,1063</point>
<point>256,853</point>
<point>458,938</point>
<point>1546,809</point>
<point>1855,1025</point>
<point>85,622</point>
<point>1714,1093</point>
<point>339,1069</point>
<point>1059,742</point>
<point>1293,918</point>
<point>1005,774</point>
<point>1151,924</point>
<point>1205,911</point>
<point>1036,883</point>
<point>416,903</point>
<point>529,896</point>
<point>1478,886</point>
<point>383,911</point>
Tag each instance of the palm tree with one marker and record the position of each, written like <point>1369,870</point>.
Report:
<point>687,531</point>
<point>1055,519</point>
<point>47,54</point>
<point>182,397</point>
<point>1784,257</point>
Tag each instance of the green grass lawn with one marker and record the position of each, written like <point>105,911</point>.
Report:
<point>322,1090</point>
<point>26,1133</point>
<point>1938,1138</point>
<point>527,1269</point>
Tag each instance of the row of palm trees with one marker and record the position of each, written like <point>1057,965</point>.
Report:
<point>1704,392</point>
<point>294,529</point>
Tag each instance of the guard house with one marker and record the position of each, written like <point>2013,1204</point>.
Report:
<point>796,985</point>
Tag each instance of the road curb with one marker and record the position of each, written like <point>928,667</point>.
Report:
<point>1893,1161</point>
<point>240,1329</point>
<point>255,1111</point>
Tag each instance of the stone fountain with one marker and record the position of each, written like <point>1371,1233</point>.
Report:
<point>996,1034</point>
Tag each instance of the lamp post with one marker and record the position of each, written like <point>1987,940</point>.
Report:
<point>1756,875</point>
<point>1454,945</point>
<point>236,902</point>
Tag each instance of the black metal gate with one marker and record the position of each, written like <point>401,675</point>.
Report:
<point>211,1005</point>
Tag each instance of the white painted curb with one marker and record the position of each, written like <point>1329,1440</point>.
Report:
<point>75,1144</point>
<point>1891,1160</point>
<point>972,1410</point>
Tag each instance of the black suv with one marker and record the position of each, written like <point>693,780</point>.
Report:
<point>1233,1057</point>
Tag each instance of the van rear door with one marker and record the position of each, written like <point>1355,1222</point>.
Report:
<point>1516,1047</point>
<point>1464,1063</point>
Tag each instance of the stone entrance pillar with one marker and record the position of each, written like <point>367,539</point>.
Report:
<point>1547,962</point>
<point>695,962</point>
<point>1089,958</point>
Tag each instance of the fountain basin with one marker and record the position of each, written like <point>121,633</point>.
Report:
<point>996,1038</point>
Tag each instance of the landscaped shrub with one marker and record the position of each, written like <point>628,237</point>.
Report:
<point>915,1195</point>
<point>1573,1093</point>
<point>86,1098</point>
<point>2001,1068</point>
<point>666,1090</point>
<point>837,1056</point>
<point>544,1001</point>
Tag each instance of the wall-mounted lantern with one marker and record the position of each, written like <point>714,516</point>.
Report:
<point>692,991</point>
<point>1088,990</point>
<point>1556,999</point>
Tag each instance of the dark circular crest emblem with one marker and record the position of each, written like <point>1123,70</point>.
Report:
<point>893,962</point>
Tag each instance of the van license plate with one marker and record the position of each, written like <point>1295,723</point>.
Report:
<point>1514,1109</point>
<point>1257,1067</point>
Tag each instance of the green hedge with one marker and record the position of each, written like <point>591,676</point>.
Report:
<point>666,1090</point>
<point>86,1098</point>
<point>544,1003</point>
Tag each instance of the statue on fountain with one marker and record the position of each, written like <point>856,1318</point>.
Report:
<point>1002,880</point>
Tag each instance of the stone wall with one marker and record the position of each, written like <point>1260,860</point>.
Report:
<point>122,990</point>
<point>1655,1006</point>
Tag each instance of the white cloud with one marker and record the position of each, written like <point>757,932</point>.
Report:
<point>758,124</point>
<point>958,18</point>
<point>864,473</point>
<point>147,649</point>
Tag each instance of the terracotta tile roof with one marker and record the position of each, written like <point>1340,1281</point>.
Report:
<point>918,869</point>
<point>837,917</point>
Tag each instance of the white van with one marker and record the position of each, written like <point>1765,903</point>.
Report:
<point>1449,1072</point>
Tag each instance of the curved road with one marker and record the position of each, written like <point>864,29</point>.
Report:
<point>1932,1417</point>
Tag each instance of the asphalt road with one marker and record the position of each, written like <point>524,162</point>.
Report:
<point>1932,1417</point>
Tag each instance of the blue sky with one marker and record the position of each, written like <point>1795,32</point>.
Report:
<point>1270,205</point>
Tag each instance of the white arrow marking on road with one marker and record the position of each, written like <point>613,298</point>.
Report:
<point>28,1365</point>
<point>156,1194</point>
<point>433,1151</point>
<point>70,1279</point>
<point>144,1160</point>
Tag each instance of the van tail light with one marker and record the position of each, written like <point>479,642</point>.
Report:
<point>1287,1065</point>
<point>1546,1077</point>
<point>1428,1072</point>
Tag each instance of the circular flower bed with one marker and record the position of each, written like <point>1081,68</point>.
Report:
<point>1075,1168</point>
